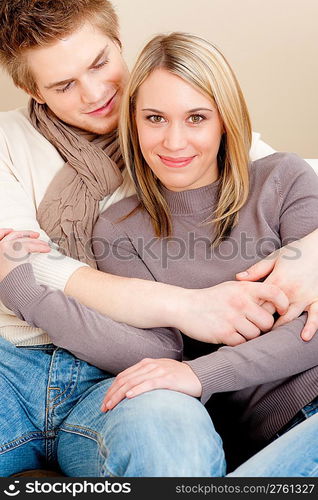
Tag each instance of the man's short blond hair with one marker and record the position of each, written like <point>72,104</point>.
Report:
<point>28,24</point>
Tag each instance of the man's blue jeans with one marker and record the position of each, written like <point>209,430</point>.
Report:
<point>294,452</point>
<point>50,417</point>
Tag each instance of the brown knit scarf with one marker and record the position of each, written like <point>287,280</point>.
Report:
<point>92,171</point>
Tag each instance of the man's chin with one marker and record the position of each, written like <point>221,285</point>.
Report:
<point>99,127</point>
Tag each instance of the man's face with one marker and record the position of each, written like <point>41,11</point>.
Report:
<point>81,79</point>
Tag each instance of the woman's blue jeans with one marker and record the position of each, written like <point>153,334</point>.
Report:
<point>50,417</point>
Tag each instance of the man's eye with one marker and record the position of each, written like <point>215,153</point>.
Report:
<point>196,118</point>
<point>101,64</point>
<point>155,118</point>
<point>65,88</point>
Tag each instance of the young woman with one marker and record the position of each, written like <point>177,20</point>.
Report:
<point>201,214</point>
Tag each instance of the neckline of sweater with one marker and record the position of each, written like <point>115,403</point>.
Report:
<point>192,200</point>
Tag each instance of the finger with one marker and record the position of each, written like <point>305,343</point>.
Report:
<point>260,269</point>
<point>246,328</point>
<point>21,249</point>
<point>311,326</point>
<point>267,306</point>
<point>146,387</point>
<point>4,232</point>
<point>120,394</point>
<point>234,339</point>
<point>22,244</point>
<point>122,380</point>
<point>292,313</point>
<point>273,294</point>
<point>135,367</point>
<point>260,317</point>
<point>13,235</point>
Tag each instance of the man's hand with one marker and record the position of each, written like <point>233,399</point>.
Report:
<point>229,313</point>
<point>294,269</point>
<point>15,248</point>
<point>150,374</point>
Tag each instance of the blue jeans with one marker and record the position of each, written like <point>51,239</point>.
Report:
<point>50,417</point>
<point>293,453</point>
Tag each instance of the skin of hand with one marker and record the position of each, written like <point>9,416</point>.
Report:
<point>150,374</point>
<point>15,248</point>
<point>292,268</point>
<point>231,314</point>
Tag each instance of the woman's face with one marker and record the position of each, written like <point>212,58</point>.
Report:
<point>81,78</point>
<point>179,131</point>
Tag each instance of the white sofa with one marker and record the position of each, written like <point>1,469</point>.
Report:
<point>314,164</point>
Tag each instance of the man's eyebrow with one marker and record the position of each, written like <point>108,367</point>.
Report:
<point>68,80</point>
<point>194,110</point>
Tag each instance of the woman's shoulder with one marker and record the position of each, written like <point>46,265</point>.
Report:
<point>280,167</point>
<point>282,175</point>
<point>274,163</point>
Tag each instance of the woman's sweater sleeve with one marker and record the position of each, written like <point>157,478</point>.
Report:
<point>86,333</point>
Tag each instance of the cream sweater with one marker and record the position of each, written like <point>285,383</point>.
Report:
<point>28,163</point>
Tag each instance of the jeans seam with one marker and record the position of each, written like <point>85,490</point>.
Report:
<point>70,388</point>
<point>94,436</point>
<point>21,440</point>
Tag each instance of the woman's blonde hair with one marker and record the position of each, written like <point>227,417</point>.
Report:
<point>201,64</point>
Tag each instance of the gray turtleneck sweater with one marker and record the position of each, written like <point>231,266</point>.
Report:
<point>269,378</point>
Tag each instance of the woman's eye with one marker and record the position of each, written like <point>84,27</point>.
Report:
<point>155,118</point>
<point>196,118</point>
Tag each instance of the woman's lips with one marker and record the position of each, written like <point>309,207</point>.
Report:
<point>179,162</point>
<point>105,109</point>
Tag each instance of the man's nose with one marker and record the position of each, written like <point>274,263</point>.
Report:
<point>92,92</point>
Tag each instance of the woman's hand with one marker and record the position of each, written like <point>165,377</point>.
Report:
<point>15,248</point>
<point>150,374</point>
<point>294,269</point>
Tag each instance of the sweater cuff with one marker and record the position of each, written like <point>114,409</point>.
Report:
<point>54,269</point>
<point>19,288</point>
<point>215,373</point>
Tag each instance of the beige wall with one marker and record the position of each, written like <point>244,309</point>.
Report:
<point>272,45</point>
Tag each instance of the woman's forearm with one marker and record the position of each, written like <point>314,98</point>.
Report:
<point>276,355</point>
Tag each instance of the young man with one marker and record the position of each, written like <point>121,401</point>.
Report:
<point>67,56</point>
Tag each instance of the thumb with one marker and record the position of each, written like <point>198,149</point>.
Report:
<point>259,270</point>
<point>4,232</point>
<point>311,325</point>
<point>293,312</point>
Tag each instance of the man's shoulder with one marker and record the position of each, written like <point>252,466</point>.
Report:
<point>14,118</point>
<point>120,218</point>
<point>120,209</point>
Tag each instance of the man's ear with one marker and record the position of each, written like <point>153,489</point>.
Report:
<point>36,97</point>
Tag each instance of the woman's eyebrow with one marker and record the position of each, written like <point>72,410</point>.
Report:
<point>194,110</point>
